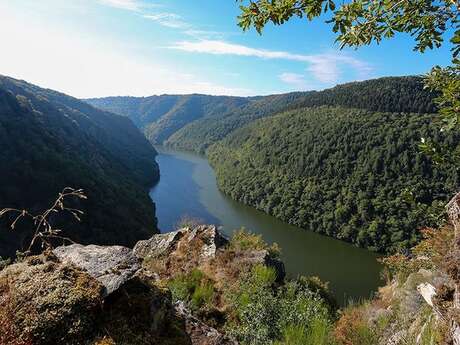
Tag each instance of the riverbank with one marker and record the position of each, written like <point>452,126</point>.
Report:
<point>188,187</point>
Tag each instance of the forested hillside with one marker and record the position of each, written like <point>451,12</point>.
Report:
<point>160,116</point>
<point>342,161</point>
<point>194,122</point>
<point>353,174</point>
<point>49,141</point>
<point>392,94</point>
<point>198,135</point>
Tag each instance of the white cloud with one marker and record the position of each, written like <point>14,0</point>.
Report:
<point>167,19</point>
<point>294,79</point>
<point>170,20</point>
<point>130,5</point>
<point>324,67</point>
<point>87,67</point>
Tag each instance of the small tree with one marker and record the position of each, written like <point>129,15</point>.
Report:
<point>44,232</point>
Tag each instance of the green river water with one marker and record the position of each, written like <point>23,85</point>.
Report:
<point>187,187</point>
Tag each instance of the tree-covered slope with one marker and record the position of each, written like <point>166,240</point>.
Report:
<point>160,116</point>
<point>49,141</point>
<point>393,94</point>
<point>352,174</point>
<point>198,135</point>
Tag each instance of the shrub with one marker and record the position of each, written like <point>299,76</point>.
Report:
<point>194,288</point>
<point>243,240</point>
<point>353,329</point>
<point>432,252</point>
<point>4,263</point>
<point>317,334</point>
<point>294,335</point>
<point>270,314</point>
<point>9,331</point>
<point>316,285</point>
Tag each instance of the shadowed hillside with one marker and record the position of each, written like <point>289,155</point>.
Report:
<point>49,141</point>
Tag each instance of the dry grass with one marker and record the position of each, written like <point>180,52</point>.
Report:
<point>352,328</point>
<point>188,222</point>
<point>9,332</point>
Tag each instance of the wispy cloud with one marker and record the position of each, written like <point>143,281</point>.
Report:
<point>167,19</point>
<point>129,5</point>
<point>324,67</point>
<point>170,20</point>
<point>294,79</point>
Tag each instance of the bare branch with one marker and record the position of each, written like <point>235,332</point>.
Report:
<point>44,231</point>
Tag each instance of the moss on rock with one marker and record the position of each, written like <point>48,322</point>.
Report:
<point>43,301</point>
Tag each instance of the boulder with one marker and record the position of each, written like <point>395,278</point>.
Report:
<point>44,301</point>
<point>112,266</point>
<point>206,237</point>
<point>428,292</point>
<point>159,245</point>
<point>212,239</point>
<point>263,257</point>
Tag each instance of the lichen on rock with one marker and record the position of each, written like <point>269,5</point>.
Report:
<point>45,301</point>
<point>112,266</point>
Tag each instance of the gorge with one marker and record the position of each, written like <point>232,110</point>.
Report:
<point>187,187</point>
<point>313,160</point>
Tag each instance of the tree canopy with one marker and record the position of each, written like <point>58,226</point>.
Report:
<point>49,141</point>
<point>362,22</point>
<point>347,173</point>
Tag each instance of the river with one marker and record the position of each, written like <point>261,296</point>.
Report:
<point>187,187</point>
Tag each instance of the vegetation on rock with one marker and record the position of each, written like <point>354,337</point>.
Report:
<point>229,296</point>
<point>43,301</point>
<point>403,313</point>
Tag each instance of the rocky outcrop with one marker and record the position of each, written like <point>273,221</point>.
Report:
<point>161,245</point>
<point>263,257</point>
<point>44,301</point>
<point>427,291</point>
<point>112,266</point>
<point>97,295</point>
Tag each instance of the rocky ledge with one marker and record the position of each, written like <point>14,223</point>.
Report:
<point>114,295</point>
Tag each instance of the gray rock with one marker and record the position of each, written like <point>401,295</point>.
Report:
<point>164,244</point>
<point>427,291</point>
<point>212,240</point>
<point>158,245</point>
<point>455,334</point>
<point>112,266</point>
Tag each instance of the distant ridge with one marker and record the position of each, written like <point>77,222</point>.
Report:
<point>195,122</point>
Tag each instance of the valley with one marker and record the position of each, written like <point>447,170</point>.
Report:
<point>344,162</point>
<point>187,187</point>
<point>230,172</point>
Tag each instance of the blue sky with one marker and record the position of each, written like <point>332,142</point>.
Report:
<point>95,48</point>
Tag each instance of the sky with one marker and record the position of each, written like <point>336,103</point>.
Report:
<point>98,48</point>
